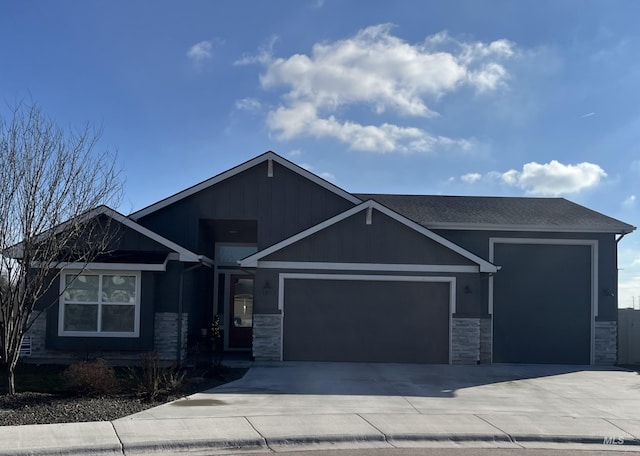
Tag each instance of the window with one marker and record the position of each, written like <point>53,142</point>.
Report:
<point>229,254</point>
<point>104,304</point>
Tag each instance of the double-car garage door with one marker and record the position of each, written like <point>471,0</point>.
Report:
<point>365,319</point>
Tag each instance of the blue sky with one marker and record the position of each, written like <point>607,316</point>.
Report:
<point>506,98</point>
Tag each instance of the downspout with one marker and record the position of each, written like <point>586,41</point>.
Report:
<point>180,305</point>
<point>618,239</point>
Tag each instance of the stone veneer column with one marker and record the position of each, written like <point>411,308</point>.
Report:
<point>486,346</point>
<point>606,338</point>
<point>267,336</point>
<point>165,335</point>
<point>465,340</point>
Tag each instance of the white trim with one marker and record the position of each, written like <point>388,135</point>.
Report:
<point>592,243</point>
<point>239,169</point>
<point>529,228</point>
<point>390,267</point>
<point>138,304</point>
<point>484,266</point>
<point>113,266</point>
<point>184,254</point>
<point>368,278</point>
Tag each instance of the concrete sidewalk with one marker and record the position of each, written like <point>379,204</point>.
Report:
<point>321,406</point>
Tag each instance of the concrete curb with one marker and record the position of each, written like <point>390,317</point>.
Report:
<point>229,435</point>
<point>49,441</point>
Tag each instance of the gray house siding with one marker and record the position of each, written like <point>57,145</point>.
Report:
<point>282,205</point>
<point>384,241</point>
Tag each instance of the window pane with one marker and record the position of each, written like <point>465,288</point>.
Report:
<point>83,289</point>
<point>119,288</point>
<point>117,318</point>
<point>80,317</point>
<point>230,254</point>
<point>243,311</point>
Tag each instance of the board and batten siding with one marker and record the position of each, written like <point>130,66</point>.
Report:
<point>283,205</point>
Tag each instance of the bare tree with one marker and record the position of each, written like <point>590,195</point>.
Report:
<point>51,182</point>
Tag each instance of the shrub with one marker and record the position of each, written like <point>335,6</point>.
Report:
<point>152,379</point>
<point>91,378</point>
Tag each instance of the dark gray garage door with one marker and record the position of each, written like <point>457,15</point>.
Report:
<point>542,304</point>
<point>366,321</point>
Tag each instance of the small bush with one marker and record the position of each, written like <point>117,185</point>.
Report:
<point>151,379</point>
<point>91,378</point>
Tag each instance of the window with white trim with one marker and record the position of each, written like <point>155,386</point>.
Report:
<point>99,304</point>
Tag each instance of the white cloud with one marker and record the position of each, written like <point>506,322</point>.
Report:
<point>200,52</point>
<point>548,179</point>
<point>630,201</point>
<point>302,120</point>
<point>554,178</point>
<point>471,178</point>
<point>384,73</point>
<point>248,104</point>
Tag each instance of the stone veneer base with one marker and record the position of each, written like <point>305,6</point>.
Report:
<point>267,335</point>
<point>465,340</point>
<point>606,342</point>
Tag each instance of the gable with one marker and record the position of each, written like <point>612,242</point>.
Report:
<point>282,198</point>
<point>371,234</point>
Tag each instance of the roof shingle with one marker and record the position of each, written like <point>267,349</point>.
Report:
<point>502,213</point>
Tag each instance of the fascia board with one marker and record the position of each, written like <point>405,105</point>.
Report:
<point>237,170</point>
<point>532,228</point>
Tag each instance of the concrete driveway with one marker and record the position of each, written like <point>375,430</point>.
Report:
<point>350,388</point>
<point>280,406</point>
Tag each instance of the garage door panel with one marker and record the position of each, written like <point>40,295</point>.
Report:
<point>366,321</point>
<point>542,306</point>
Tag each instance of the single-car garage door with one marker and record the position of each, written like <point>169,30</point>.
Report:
<point>365,320</point>
<point>542,304</point>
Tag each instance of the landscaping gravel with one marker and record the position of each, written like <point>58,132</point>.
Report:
<point>42,408</point>
<point>45,408</point>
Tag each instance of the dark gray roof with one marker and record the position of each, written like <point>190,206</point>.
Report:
<point>500,213</point>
